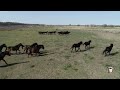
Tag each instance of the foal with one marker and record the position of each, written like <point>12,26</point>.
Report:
<point>108,49</point>
<point>76,46</point>
<point>3,54</point>
<point>87,44</point>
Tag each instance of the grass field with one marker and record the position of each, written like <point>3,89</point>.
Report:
<point>58,62</point>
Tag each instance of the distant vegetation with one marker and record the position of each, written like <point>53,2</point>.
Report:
<point>17,23</point>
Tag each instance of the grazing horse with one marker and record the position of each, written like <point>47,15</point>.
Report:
<point>1,47</point>
<point>87,44</point>
<point>52,32</point>
<point>76,46</point>
<point>63,32</point>
<point>108,49</point>
<point>35,49</point>
<point>16,47</point>
<point>43,32</point>
<point>3,54</point>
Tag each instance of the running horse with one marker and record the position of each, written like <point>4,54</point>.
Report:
<point>1,47</point>
<point>16,47</point>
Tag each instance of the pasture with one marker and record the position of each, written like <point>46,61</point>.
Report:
<point>56,60</point>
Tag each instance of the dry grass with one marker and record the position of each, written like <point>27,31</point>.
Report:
<point>58,62</point>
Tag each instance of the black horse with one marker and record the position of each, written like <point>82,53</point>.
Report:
<point>1,47</point>
<point>35,49</point>
<point>87,44</point>
<point>16,47</point>
<point>108,49</point>
<point>63,32</point>
<point>76,46</point>
<point>52,32</point>
<point>3,54</point>
<point>43,32</point>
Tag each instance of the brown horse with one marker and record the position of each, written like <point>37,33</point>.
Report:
<point>76,45</point>
<point>3,54</point>
<point>27,47</point>
<point>16,47</point>
<point>35,49</point>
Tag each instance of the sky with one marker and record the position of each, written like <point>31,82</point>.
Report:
<point>62,17</point>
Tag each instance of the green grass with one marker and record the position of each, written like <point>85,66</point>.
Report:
<point>59,62</point>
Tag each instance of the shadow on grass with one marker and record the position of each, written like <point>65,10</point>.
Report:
<point>17,53</point>
<point>112,54</point>
<point>87,49</point>
<point>14,64</point>
<point>45,53</point>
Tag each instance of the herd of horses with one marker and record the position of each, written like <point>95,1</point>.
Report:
<point>35,49</point>
<point>28,49</point>
<point>54,32</point>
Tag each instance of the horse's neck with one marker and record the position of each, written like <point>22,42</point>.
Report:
<point>18,46</point>
<point>1,47</point>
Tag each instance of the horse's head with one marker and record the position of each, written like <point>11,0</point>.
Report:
<point>111,45</point>
<point>3,45</point>
<point>42,46</point>
<point>80,42</point>
<point>20,44</point>
<point>90,41</point>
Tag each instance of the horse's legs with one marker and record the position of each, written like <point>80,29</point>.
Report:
<point>75,48</point>
<point>5,61</point>
<point>85,46</point>
<point>109,53</point>
<point>72,49</point>
<point>16,51</point>
<point>89,46</point>
<point>19,51</point>
<point>105,53</point>
<point>78,48</point>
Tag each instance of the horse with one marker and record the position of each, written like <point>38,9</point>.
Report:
<point>52,32</point>
<point>108,49</point>
<point>76,45</point>
<point>35,49</point>
<point>16,47</point>
<point>1,47</point>
<point>87,44</point>
<point>63,32</point>
<point>29,46</point>
<point>43,32</point>
<point>3,54</point>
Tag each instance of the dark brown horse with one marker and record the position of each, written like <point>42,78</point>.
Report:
<point>1,47</point>
<point>52,32</point>
<point>87,44</point>
<point>108,49</point>
<point>16,47</point>
<point>3,54</point>
<point>27,47</point>
<point>76,45</point>
<point>35,49</point>
<point>63,32</point>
